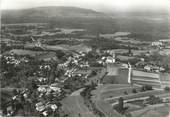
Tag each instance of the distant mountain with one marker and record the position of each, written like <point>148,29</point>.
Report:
<point>60,16</point>
<point>46,13</point>
<point>142,25</point>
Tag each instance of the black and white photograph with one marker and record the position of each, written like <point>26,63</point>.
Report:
<point>84,58</point>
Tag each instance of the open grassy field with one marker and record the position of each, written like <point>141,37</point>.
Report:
<point>111,86</point>
<point>138,95</point>
<point>26,52</point>
<point>145,74</point>
<point>158,110</point>
<point>69,30</point>
<point>24,24</point>
<point>108,87</point>
<point>154,84</point>
<point>165,51</point>
<point>106,109</point>
<point>102,105</point>
<point>116,34</point>
<point>125,58</point>
<point>118,92</point>
<point>105,96</point>
<point>77,48</point>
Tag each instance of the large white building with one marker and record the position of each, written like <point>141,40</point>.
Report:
<point>157,43</point>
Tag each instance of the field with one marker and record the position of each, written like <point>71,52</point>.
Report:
<point>78,48</point>
<point>116,34</point>
<point>111,86</point>
<point>145,74</point>
<point>102,105</point>
<point>105,96</point>
<point>143,78</point>
<point>137,95</point>
<point>159,110</point>
<point>119,92</point>
<point>24,24</point>
<point>69,30</point>
<point>106,109</point>
<point>26,52</point>
<point>154,84</point>
<point>125,58</point>
<point>165,52</point>
<point>122,37</point>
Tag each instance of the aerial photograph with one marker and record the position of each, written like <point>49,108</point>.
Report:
<point>85,58</point>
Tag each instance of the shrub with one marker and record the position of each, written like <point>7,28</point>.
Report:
<point>134,91</point>
<point>167,88</point>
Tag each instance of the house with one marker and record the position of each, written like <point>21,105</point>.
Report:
<point>42,89</point>
<point>140,64</point>
<point>56,89</point>
<point>45,113</point>
<point>53,107</point>
<point>147,68</point>
<point>10,110</point>
<point>40,106</point>
<point>124,65</point>
<point>157,43</point>
<point>110,59</point>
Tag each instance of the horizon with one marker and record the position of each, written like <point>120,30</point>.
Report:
<point>100,5</point>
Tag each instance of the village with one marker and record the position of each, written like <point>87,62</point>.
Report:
<point>43,69</point>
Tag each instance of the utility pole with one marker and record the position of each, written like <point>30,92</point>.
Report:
<point>129,73</point>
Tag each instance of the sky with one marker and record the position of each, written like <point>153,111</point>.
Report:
<point>99,5</point>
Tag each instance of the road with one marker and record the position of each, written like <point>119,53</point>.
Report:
<point>74,106</point>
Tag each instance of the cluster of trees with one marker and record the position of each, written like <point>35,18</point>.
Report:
<point>4,47</point>
<point>120,107</point>
<point>153,100</point>
<point>146,88</point>
<point>22,79</point>
<point>160,60</point>
<point>86,94</point>
<point>17,76</point>
<point>74,83</point>
<point>167,89</point>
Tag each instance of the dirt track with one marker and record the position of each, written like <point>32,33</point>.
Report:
<point>74,106</point>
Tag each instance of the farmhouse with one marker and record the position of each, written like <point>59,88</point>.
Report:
<point>110,59</point>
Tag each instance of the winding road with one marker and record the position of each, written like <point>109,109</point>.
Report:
<point>74,105</point>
